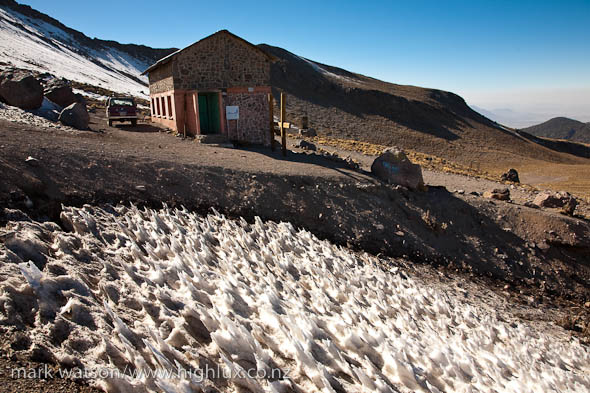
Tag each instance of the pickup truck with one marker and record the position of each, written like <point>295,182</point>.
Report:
<point>121,109</point>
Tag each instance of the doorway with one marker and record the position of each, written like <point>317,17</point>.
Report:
<point>209,113</point>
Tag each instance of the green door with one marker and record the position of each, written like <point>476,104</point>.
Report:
<point>209,113</point>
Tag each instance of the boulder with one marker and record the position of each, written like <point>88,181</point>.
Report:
<point>307,132</point>
<point>562,199</point>
<point>394,167</point>
<point>75,116</point>
<point>305,145</point>
<point>60,92</point>
<point>511,175</point>
<point>80,98</point>
<point>21,89</point>
<point>501,194</point>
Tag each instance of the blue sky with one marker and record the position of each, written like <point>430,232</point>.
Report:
<point>527,56</point>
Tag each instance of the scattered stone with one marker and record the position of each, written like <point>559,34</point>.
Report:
<point>511,175</point>
<point>60,92</point>
<point>394,167</point>
<point>140,188</point>
<point>501,194</point>
<point>460,192</point>
<point>531,205</point>
<point>28,202</point>
<point>307,132</point>
<point>305,145</point>
<point>75,116</point>
<point>20,89</point>
<point>561,199</point>
<point>32,161</point>
<point>474,193</point>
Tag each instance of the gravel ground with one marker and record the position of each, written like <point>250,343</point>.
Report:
<point>455,182</point>
<point>534,258</point>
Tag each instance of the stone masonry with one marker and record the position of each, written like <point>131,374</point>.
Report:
<point>237,71</point>
<point>253,123</point>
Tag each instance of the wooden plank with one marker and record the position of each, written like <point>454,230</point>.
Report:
<point>272,123</point>
<point>283,130</point>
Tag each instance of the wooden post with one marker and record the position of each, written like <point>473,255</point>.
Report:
<point>283,131</point>
<point>271,122</point>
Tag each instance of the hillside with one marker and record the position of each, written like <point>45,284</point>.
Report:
<point>562,128</point>
<point>346,105</point>
<point>32,40</point>
<point>340,104</point>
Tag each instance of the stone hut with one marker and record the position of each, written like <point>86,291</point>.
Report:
<point>202,88</point>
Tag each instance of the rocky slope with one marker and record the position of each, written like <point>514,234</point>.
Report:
<point>346,105</point>
<point>32,40</point>
<point>338,102</point>
<point>562,128</point>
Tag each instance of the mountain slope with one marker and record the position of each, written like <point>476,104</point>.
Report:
<point>346,105</point>
<point>339,103</point>
<point>562,128</point>
<point>32,40</point>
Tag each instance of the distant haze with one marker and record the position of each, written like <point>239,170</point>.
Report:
<point>524,108</point>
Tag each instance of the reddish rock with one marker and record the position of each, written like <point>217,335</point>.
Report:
<point>60,92</point>
<point>20,89</point>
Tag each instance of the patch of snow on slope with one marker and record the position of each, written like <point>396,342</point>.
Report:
<point>89,94</point>
<point>34,118</point>
<point>325,72</point>
<point>37,45</point>
<point>169,290</point>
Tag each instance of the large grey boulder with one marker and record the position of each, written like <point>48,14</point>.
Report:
<point>60,92</point>
<point>75,116</point>
<point>21,89</point>
<point>394,167</point>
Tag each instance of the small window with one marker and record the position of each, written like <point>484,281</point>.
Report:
<point>170,106</point>
<point>158,112</point>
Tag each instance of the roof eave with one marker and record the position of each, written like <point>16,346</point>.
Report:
<point>166,59</point>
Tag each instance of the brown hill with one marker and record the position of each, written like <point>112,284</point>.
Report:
<point>562,128</point>
<point>346,105</point>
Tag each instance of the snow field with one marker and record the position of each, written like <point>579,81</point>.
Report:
<point>168,289</point>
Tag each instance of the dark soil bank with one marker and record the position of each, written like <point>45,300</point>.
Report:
<point>541,253</point>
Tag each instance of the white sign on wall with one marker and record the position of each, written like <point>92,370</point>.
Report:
<point>232,112</point>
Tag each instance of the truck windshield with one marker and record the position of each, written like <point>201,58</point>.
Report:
<point>121,101</point>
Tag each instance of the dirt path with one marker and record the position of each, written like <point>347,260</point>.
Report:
<point>454,182</point>
<point>534,258</point>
